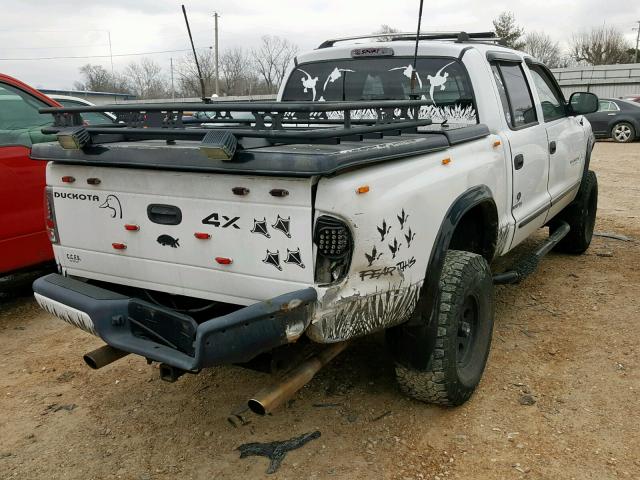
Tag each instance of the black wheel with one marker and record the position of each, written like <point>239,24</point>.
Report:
<point>465,324</point>
<point>581,217</point>
<point>623,132</point>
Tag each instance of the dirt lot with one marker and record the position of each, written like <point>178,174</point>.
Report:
<point>568,337</point>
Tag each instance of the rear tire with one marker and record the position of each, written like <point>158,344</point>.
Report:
<point>465,324</point>
<point>623,132</point>
<point>581,217</point>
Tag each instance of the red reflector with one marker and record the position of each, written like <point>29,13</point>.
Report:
<point>202,236</point>
<point>224,261</point>
<point>119,246</point>
<point>68,179</point>
<point>131,227</point>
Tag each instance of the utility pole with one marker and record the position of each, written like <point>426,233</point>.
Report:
<point>635,58</point>
<point>215,16</point>
<point>173,91</point>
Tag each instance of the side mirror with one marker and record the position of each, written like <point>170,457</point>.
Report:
<point>582,103</point>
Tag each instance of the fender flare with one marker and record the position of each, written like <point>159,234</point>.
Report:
<point>587,159</point>
<point>412,342</point>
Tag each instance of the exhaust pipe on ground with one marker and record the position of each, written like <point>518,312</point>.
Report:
<point>270,398</point>
<point>103,356</point>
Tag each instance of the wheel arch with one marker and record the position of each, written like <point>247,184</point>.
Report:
<point>475,201</point>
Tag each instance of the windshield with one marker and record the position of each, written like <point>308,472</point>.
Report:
<point>443,82</point>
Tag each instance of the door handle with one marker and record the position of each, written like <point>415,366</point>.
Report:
<point>611,114</point>
<point>518,161</point>
<point>552,147</point>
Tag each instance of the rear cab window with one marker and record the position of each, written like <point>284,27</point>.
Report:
<point>443,82</point>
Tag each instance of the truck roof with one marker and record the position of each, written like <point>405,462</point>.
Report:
<point>405,48</point>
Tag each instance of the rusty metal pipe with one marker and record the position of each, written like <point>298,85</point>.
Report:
<point>268,399</point>
<point>103,356</point>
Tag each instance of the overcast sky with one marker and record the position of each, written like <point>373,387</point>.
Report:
<point>33,28</point>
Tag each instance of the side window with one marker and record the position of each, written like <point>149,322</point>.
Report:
<point>607,106</point>
<point>521,111</point>
<point>551,99</point>
<point>20,122</point>
<point>502,91</point>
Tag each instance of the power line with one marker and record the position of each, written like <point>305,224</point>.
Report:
<point>56,47</point>
<point>98,56</point>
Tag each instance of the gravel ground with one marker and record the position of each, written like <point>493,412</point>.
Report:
<point>559,398</point>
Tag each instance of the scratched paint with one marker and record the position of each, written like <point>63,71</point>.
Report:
<point>502,240</point>
<point>355,316</point>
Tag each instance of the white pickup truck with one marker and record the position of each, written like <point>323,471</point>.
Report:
<point>373,195</point>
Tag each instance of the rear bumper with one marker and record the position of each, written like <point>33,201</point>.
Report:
<point>167,336</point>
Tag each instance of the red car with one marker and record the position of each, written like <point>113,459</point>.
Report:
<point>24,245</point>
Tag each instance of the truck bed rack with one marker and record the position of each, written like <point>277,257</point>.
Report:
<point>273,122</point>
<point>273,143</point>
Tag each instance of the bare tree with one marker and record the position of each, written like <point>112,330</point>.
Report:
<point>510,33</point>
<point>188,81</point>
<point>384,28</point>
<point>235,67</point>
<point>146,79</point>
<point>97,79</point>
<point>541,46</point>
<point>601,46</point>
<point>272,58</point>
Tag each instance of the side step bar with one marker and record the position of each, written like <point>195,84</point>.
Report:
<point>527,265</point>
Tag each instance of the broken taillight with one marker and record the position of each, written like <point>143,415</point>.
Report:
<point>334,245</point>
<point>50,216</point>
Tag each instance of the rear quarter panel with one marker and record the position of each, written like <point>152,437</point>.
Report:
<point>394,227</point>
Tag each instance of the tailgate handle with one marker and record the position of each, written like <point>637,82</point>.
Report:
<point>164,214</point>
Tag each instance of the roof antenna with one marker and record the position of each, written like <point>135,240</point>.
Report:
<point>205,99</point>
<point>414,75</point>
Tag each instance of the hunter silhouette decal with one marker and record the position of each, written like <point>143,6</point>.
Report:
<point>438,80</point>
<point>168,240</point>
<point>309,83</point>
<point>273,259</point>
<point>260,226</point>
<point>113,205</point>
<point>283,224</point>
<point>294,257</point>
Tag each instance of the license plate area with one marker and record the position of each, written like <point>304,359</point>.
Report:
<point>162,325</point>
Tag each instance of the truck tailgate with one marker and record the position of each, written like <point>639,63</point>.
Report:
<point>232,238</point>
